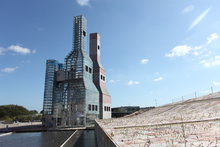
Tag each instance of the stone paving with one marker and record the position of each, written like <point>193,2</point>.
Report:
<point>193,123</point>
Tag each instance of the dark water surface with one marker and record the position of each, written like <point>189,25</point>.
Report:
<point>87,139</point>
<point>36,139</point>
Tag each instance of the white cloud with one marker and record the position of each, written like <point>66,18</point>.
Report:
<point>83,2</point>
<point>188,9</point>
<point>199,50</point>
<point>9,69</point>
<point>158,79</point>
<point>196,53</point>
<point>216,83</point>
<point>205,63</point>
<point>197,47</point>
<point>211,62</point>
<point>112,81</point>
<point>19,49</point>
<point>183,50</point>
<point>144,61</point>
<point>131,82</point>
<point>180,50</point>
<point>199,19</point>
<point>212,37</point>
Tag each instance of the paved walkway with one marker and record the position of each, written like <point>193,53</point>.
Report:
<point>19,124</point>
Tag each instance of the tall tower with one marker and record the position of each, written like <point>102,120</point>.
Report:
<point>51,67</point>
<point>80,98</point>
<point>99,77</point>
<point>75,93</point>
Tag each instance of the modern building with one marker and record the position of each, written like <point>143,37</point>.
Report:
<point>126,110</point>
<point>99,77</point>
<point>51,67</point>
<point>76,96</point>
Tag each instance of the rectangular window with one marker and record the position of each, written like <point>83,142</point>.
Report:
<point>98,47</point>
<point>93,108</point>
<point>103,78</point>
<point>87,68</point>
<point>89,107</point>
<point>96,108</point>
<point>90,70</point>
<point>84,33</point>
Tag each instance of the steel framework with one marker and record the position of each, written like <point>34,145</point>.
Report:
<point>75,98</point>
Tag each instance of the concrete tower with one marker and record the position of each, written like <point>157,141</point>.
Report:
<point>99,77</point>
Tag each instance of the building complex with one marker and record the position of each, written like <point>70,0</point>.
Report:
<point>75,92</point>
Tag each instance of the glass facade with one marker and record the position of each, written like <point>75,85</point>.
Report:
<point>69,89</point>
<point>51,67</point>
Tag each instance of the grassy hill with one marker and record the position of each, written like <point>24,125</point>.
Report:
<point>17,113</point>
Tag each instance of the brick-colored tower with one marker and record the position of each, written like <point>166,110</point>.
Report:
<point>99,77</point>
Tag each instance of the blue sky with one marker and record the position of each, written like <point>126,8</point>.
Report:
<point>154,51</point>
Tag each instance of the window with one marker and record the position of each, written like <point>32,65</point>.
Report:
<point>89,107</point>
<point>96,108</point>
<point>90,70</point>
<point>105,108</point>
<point>98,47</point>
<point>102,77</point>
<point>87,68</point>
<point>93,107</point>
<point>84,33</point>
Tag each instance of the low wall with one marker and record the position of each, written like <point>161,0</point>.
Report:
<point>71,141</point>
<point>103,140</point>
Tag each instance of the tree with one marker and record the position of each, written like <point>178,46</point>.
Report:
<point>16,113</point>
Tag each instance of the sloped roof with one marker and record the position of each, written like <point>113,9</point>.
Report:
<point>193,122</point>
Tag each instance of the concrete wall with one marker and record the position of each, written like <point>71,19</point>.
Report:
<point>103,140</point>
<point>72,140</point>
